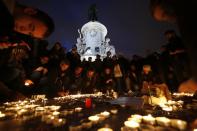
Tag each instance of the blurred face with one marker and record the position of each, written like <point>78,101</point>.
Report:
<point>90,73</point>
<point>44,60</point>
<point>107,71</point>
<point>146,70</point>
<point>132,67</point>
<point>64,66</point>
<point>160,15</point>
<point>57,46</point>
<point>78,70</point>
<point>29,25</point>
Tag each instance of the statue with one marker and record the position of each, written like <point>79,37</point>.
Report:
<point>92,13</point>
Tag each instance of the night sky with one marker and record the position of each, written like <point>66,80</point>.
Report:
<point>130,26</point>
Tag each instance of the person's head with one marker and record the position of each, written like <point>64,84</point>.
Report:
<point>163,48</point>
<point>98,57</point>
<point>169,34</point>
<point>108,54</point>
<point>78,70</point>
<point>146,69</point>
<point>163,10</point>
<point>89,59</point>
<point>31,21</point>
<point>57,46</point>
<point>44,59</point>
<point>64,65</point>
<point>107,70</point>
<point>132,67</point>
<point>90,72</point>
<point>74,49</point>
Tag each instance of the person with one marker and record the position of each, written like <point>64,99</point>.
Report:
<point>182,13</point>
<point>132,79</point>
<point>59,79</point>
<point>107,80</point>
<point>90,81</point>
<point>57,53</point>
<point>76,79</point>
<point>98,64</point>
<point>73,57</point>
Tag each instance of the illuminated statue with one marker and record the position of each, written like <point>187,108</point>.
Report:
<point>92,41</point>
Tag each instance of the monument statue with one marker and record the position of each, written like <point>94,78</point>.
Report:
<point>92,39</point>
<point>92,13</point>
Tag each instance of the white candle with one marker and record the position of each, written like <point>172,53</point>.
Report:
<point>163,121</point>
<point>56,113</point>
<point>78,109</point>
<point>114,111</point>
<point>94,119</point>
<point>105,114</point>
<point>132,124</point>
<point>2,115</point>
<point>135,119</point>
<point>105,129</point>
<point>179,124</point>
<point>149,119</point>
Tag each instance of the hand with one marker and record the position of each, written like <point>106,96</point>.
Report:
<point>28,82</point>
<point>40,68</point>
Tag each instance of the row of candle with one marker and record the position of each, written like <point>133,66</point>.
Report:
<point>183,94</point>
<point>135,120</point>
<point>171,105</point>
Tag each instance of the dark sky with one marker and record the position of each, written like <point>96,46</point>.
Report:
<point>130,26</point>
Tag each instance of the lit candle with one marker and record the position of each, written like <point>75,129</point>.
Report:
<point>94,119</point>
<point>78,109</point>
<point>105,129</point>
<point>114,111</point>
<point>149,119</point>
<point>105,114</point>
<point>2,115</point>
<point>59,122</point>
<point>163,121</point>
<point>179,124</point>
<point>88,103</point>
<point>132,124</point>
<point>56,113</point>
<point>135,119</point>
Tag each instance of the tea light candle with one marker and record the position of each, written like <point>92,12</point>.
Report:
<point>135,119</point>
<point>104,129</point>
<point>2,115</point>
<point>114,111</point>
<point>179,124</point>
<point>78,109</point>
<point>59,122</point>
<point>167,108</point>
<point>163,121</point>
<point>137,116</point>
<point>149,119</point>
<point>94,119</point>
<point>56,113</point>
<point>105,114</point>
<point>132,124</point>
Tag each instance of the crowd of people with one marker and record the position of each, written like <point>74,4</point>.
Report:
<point>57,72</point>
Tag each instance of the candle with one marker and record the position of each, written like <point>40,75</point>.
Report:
<point>132,124</point>
<point>93,119</point>
<point>105,114</point>
<point>179,124</point>
<point>163,121</point>
<point>78,109</point>
<point>104,129</point>
<point>56,113</point>
<point>135,119</point>
<point>149,119</point>
<point>194,129</point>
<point>114,111</point>
<point>88,103</point>
<point>136,116</point>
<point>2,115</point>
<point>59,122</point>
